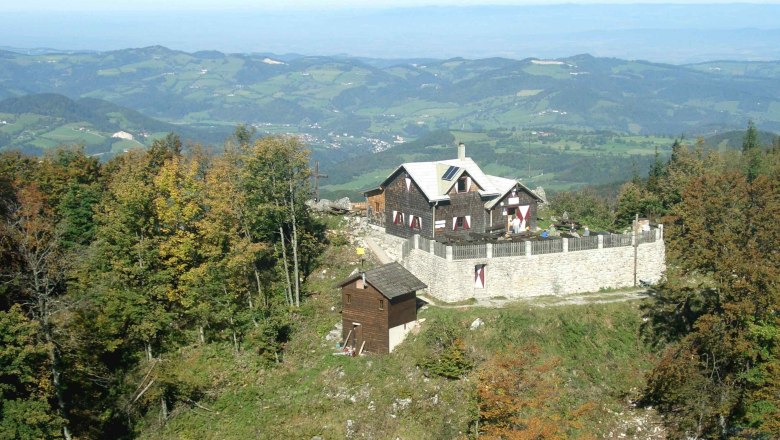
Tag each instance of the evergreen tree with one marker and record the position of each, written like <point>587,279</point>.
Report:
<point>750,140</point>
<point>718,377</point>
<point>656,173</point>
<point>751,151</point>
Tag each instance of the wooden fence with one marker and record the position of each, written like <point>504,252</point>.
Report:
<point>583,243</point>
<point>617,240</point>
<point>519,248</point>
<point>469,251</point>
<point>509,249</point>
<point>546,247</point>
<point>646,237</point>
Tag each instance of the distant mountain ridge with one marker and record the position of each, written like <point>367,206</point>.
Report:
<point>674,31</point>
<point>374,98</point>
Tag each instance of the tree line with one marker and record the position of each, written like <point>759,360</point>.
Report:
<point>109,268</point>
<point>714,318</point>
<point>716,315</point>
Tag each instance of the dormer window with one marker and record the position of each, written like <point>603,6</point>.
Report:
<point>464,184</point>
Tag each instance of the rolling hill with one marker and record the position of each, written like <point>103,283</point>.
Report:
<point>556,122</point>
<point>356,96</point>
<point>33,123</point>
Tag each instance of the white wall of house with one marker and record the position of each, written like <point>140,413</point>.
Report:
<point>398,333</point>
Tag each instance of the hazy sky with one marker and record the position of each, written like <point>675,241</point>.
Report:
<point>658,30</point>
<point>95,5</point>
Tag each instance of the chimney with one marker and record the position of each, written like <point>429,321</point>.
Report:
<point>461,151</point>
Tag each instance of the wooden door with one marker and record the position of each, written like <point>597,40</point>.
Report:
<point>358,336</point>
<point>510,216</point>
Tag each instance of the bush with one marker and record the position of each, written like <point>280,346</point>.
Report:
<point>451,363</point>
<point>446,355</point>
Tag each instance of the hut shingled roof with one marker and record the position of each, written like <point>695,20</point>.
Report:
<point>392,280</point>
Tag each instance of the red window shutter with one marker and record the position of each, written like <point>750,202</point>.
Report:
<point>525,212</point>
<point>479,276</point>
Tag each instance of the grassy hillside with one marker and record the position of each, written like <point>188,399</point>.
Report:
<point>592,358</point>
<point>321,95</point>
<point>34,123</point>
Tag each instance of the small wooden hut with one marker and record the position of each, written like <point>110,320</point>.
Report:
<point>379,307</point>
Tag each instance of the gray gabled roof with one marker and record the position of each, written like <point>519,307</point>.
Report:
<point>428,176</point>
<point>391,280</point>
<point>504,186</point>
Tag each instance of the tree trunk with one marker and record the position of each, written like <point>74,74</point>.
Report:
<point>235,339</point>
<point>43,309</point>
<point>55,374</point>
<point>252,304</point>
<point>259,288</point>
<point>163,409</point>
<point>288,286</point>
<point>201,335</point>
<point>295,248</point>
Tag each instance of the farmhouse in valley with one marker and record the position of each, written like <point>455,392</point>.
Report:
<point>379,308</point>
<point>450,199</point>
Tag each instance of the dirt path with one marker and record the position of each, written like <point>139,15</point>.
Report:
<point>549,301</point>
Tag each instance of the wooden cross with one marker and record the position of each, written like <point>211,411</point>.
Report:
<point>317,177</point>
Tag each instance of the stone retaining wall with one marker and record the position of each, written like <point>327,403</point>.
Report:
<point>561,273</point>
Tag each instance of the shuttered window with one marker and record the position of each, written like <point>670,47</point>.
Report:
<point>461,223</point>
<point>479,276</point>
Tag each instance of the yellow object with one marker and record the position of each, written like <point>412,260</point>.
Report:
<point>361,251</point>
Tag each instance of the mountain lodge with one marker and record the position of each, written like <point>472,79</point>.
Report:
<point>450,199</point>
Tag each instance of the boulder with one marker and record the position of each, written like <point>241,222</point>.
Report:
<point>342,203</point>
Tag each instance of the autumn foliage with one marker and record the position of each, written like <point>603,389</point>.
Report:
<point>718,307</point>
<point>108,269</point>
<point>518,396</point>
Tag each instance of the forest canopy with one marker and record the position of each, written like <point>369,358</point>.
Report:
<point>109,268</point>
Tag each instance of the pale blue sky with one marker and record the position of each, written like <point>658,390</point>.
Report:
<point>108,5</point>
<point>658,30</point>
